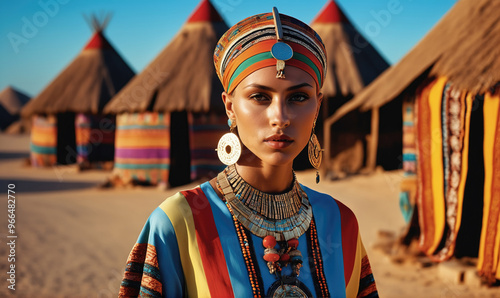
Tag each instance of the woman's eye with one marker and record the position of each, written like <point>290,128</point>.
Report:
<point>300,97</point>
<point>258,97</point>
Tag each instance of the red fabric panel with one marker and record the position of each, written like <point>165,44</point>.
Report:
<point>349,239</point>
<point>211,253</point>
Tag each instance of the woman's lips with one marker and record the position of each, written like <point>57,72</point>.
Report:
<point>278,141</point>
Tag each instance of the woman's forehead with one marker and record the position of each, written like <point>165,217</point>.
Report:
<point>267,77</point>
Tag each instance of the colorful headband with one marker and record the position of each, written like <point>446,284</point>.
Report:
<point>265,40</point>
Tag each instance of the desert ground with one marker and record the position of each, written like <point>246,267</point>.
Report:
<point>73,238</point>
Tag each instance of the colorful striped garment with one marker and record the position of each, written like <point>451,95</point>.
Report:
<point>189,247</point>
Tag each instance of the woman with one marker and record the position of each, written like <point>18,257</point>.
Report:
<point>254,230</point>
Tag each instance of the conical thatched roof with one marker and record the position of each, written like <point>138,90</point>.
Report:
<point>88,82</point>
<point>463,46</point>
<point>352,61</point>
<point>182,76</point>
<point>12,100</point>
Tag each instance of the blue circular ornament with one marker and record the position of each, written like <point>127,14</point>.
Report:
<point>282,51</point>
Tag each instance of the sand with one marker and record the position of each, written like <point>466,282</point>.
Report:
<point>74,238</point>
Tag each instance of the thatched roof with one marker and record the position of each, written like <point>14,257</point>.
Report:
<point>88,82</point>
<point>182,76</point>
<point>352,61</point>
<point>463,46</point>
<point>12,100</point>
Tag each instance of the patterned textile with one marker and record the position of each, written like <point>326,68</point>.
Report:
<point>192,239</point>
<point>142,147</point>
<point>246,47</point>
<point>142,275</point>
<point>205,132</point>
<point>43,145</point>
<point>489,249</point>
<point>95,138</point>
<point>446,160</point>
<point>443,115</point>
<point>409,182</point>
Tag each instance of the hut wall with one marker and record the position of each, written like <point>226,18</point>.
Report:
<point>95,138</point>
<point>205,132</point>
<point>6,118</point>
<point>456,139</point>
<point>43,145</point>
<point>142,147</point>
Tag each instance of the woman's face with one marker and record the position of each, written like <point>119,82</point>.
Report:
<point>274,117</point>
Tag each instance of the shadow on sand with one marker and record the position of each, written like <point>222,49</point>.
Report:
<point>31,185</point>
<point>14,155</point>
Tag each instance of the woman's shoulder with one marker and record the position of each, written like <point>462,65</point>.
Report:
<point>324,203</point>
<point>184,203</point>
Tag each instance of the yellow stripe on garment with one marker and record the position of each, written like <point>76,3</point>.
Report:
<point>435,99</point>
<point>490,110</point>
<point>179,213</point>
<point>352,288</point>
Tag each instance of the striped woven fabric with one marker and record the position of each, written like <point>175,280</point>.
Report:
<point>409,182</point>
<point>43,141</point>
<point>95,138</point>
<point>453,176</point>
<point>443,114</point>
<point>142,147</point>
<point>246,47</point>
<point>205,132</point>
<point>489,256</point>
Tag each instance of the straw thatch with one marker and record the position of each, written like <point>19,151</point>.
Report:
<point>352,64</point>
<point>182,77</point>
<point>463,46</point>
<point>352,61</point>
<point>88,82</point>
<point>11,102</point>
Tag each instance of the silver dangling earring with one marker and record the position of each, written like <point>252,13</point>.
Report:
<point>229,147</point>
<point>314,152</point>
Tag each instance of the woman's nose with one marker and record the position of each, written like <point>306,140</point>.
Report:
<point>279,114</point>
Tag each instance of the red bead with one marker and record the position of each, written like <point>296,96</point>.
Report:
<point>293,243</point>
<point>271,257</point>
<point>269,241</point>
<point>285,258</point>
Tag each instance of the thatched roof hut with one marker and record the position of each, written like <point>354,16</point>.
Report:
<point>68,123</point>
<point>449,86</point>
<point>11,102</point>
<point>182,76</point>
<point>463,46</point>
<point>170,116</point>
<point>352,64</point>
<point>87,84</point>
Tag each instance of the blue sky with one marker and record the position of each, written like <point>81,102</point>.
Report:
<point>38,39</point>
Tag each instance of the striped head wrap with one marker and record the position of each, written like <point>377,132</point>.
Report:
<point>246,47</point>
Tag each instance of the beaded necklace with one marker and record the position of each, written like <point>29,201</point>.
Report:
<point>285,285</point>
<point>284,216</point>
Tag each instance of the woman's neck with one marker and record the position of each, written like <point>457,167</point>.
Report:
<point>270,179</point>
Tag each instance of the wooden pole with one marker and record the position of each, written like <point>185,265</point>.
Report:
<point>373,141</point>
